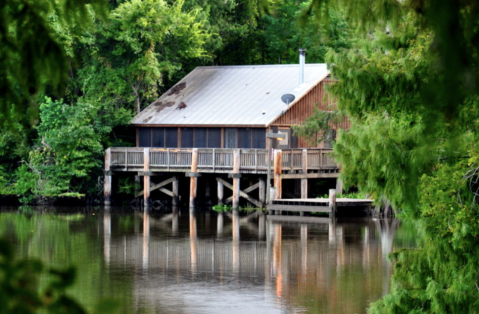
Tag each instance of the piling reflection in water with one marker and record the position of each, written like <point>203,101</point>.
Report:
<point>146,239</point>
<point>219,228</point>
<point>236,243</point>
<point>324,267</point>
<point>304,249</point>
<point>174,221</point>
<point>106,235</point>
<point>277,259</point>
<point>193,243</point>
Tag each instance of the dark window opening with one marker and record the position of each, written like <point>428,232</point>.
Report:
<point>231,138</point>
<point>171,137</point>
<point>158,137</point>
<point>259,138</point>
<point>244,138</point>
<point>200,137</point>
<point>214,138</point>
<point>144,137</point>
<point>187,137</point>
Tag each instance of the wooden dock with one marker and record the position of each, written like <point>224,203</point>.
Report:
<point>329,205</point>
<point>224,164</point>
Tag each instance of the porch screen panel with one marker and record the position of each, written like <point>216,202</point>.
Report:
<point>244,138</point>
<point>171,137</point>
<point>144,135</point>
<point>157,137</point>
<point>259,138</point>
<point>231,136</point>
<point>187,138</point>
<point>214,138</point>
<point>200,137</point>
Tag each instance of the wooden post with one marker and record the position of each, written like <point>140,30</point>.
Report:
<point>262,191</point>
<point>137,190</point>
<point>268,174</point>
<point>236,179</point>
<point>146,177</point>
<point>107,179</point>
<point>193,179</point>
<point>339,186</point>
<point>175,190</point>
<point>332,203</point>
<point>304,181</point>
<point>221,195</point>
<point>278,162</point>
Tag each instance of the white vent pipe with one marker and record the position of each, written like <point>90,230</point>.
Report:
<point>302,58</point>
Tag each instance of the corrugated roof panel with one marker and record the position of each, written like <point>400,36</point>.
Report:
<point>230,95</point>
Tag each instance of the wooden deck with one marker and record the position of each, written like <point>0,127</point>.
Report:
<point>301,164</point>
<point>318,205</point>
<point>220,160</point>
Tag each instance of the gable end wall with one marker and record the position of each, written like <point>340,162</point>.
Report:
<point>304,107</point>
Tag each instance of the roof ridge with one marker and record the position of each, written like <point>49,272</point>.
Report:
<point>258,65</point>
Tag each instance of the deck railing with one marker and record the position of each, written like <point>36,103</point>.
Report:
<point>218,159</point>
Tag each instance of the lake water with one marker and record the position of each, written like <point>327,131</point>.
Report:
<point>178,262</point>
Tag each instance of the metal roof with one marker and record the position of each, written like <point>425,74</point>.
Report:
<point>231,95</point>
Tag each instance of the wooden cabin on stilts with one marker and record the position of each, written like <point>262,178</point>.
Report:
<point>212,127</point>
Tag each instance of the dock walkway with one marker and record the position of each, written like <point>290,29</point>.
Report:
<point>318,205</point>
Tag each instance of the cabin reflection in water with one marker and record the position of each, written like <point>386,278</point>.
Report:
<point>289,262</point>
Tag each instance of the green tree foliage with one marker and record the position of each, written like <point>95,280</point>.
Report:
<point>143,41</point>
<point>282,34</point>
<point>275,36</point>
<point>441,275</point>
<point>32,50</point>
<point>410,92</point>
<point>409,105</point>
<point>68,153</point>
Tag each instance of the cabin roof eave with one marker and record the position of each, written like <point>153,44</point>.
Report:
<point>199,125</point>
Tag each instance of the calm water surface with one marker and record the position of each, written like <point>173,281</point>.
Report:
<point>162,262</point>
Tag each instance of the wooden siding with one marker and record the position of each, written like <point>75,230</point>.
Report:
<point>304,108</point>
